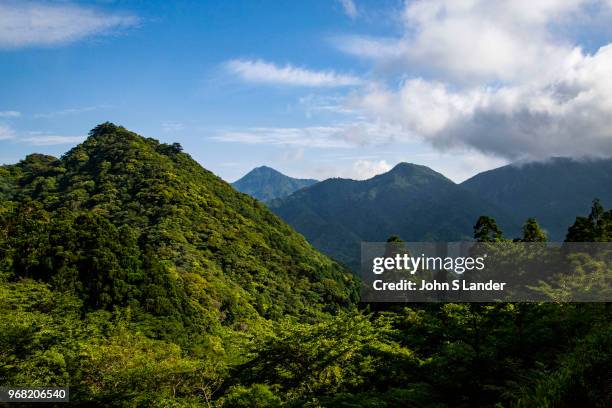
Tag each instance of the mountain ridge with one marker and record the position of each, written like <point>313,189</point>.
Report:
<point>412,201</point>
<point>552,190</point>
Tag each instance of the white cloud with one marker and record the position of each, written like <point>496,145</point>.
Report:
<point>568,114</point>
<point>9,114</point>
<point>47,140</point>
<point>265,72</point>
<point>316,136</point>
<point>69,111</point>
<point>6,132</point>
<point>348,164</point>
<point>349,7</point>
<point>27,24</point>
<point>318,104</point>
<point>172,126</point>
<point>340,135</point>
<point>365,169</point>
<point>37,138</point>
<point>493,77</point>
<point>476,40</point>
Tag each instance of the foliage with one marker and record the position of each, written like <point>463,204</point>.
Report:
<point>124,220</point>
<point>486,230</point>
<point>532,231</point>
<point>139,279</point>
<point>597,227</point>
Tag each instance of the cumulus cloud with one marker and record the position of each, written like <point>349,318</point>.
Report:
<point>26,24</point>
<point>349,7</point>
<point>265,72</point>
<point>475,40</point>
<point>497,78</point>
<point>568,114</point>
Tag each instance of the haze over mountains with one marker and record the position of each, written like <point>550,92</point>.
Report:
<point>419,204</point>
<point>265,183</point>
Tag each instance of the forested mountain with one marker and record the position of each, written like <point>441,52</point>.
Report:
<point>265,183</point>
<point>553,191</point>
<point>136,278</point>
<point>166,229</point>
<point>411,201</point>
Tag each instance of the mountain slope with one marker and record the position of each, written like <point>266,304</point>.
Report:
<point>411,201</point>
<point>265,183</point>
<point>123,220</point>
<point>552,191</point>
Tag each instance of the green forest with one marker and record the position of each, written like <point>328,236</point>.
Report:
<point>137,278</point>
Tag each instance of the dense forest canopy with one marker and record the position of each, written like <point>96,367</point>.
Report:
<point>137,278</point>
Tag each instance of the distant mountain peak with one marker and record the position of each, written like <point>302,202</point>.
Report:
<point>265,183</point>
<point>409,167</point>
<point>410,200</point>
<point>264,170</point>
<point>411,171</point>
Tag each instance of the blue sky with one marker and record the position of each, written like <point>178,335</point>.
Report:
<point>313,88</point>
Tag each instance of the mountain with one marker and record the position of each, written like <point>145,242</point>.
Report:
<point>553,191</point>
<point>139,279</point>
<point>265,184</point>
<point>412,201</point>
<point>122,220</point>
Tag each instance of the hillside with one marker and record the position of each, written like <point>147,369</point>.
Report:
<point>265,183</point>
<point>552,191</point>
<point>123,220</point>
<point>411,201</point>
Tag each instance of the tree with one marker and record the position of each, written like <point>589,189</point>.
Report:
<point>532,231</point>
<point>486,230</point>
<point>395,245</point>
<point>255,396</point>
<point>597,227</point>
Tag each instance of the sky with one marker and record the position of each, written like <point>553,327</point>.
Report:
<point>317,88</point>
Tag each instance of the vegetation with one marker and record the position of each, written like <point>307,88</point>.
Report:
<point>139,279</point>
<point>532,231</point>
<point>486,230</point>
